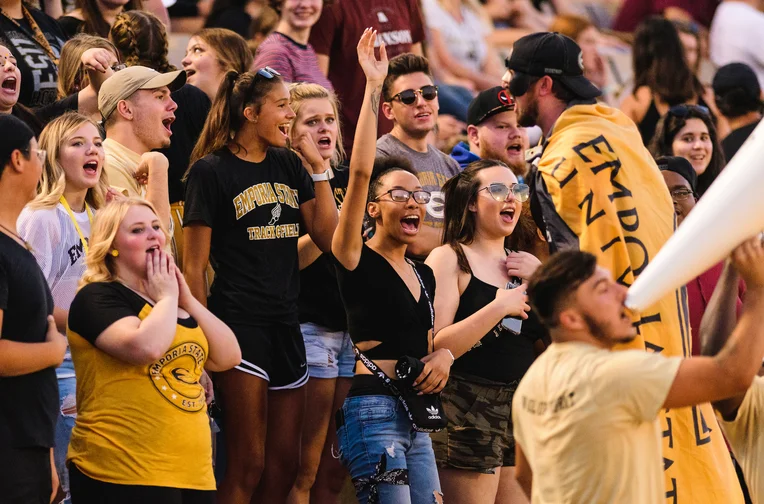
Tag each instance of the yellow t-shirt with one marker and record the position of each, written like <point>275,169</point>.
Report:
<point>120,166</point>
<point>600,191</point>
<point>746,436</point>
<point>587,421</point>
<point>138,425</point>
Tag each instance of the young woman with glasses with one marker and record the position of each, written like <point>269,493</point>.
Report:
<point>246,198</point>
<point>481,317</point>
<point>688,131</point>
<point>390,315</point>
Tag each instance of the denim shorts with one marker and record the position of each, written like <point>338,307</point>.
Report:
<point>67,414</point>
<point>389,462</point>
<point>330,353</point>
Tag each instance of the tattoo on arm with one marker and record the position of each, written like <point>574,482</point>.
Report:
<point>375,95</point>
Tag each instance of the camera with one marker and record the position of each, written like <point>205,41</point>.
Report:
<point>408,369</point>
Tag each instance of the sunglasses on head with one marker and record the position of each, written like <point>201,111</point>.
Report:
<point>682,111</point>
<point>402,196</point>
<point>500,191</point>
<point>408,97</point>
<point>268,72</point>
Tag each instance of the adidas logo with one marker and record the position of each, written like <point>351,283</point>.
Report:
<point>433,411</point>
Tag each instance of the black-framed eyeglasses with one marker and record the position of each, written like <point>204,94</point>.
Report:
<point>500,191</point>
<point>682,111</point>
<point>420,196</point>
<point>408,96</point>
<point>681,194</point>
<point>268,72</point>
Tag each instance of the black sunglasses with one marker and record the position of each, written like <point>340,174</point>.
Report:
<point>682,111</point>
<point>408,97</point>
<point>402,196</point>
<point>500,191</point>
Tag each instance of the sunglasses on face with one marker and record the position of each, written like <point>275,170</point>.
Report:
<point>681,194</point>
<point>501,192</point>
<point>402,196</point>
<point>408,97</point>
<point>682,111</point>
<point>268,72</point>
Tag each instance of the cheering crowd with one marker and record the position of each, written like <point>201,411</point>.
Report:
<point>345,243</point>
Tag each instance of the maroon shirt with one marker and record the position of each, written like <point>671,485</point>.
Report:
<point>399,26</point>
<point>699,291</point>
<point>634,12</point>
<point>294,61</point>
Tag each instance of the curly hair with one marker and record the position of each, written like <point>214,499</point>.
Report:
<point>141,39</point>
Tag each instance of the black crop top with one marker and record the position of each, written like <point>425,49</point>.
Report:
<point>501,355</point>
<point>380,307</point>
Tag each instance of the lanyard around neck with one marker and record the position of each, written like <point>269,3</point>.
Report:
<point>36,34</point>
<point>74,221</point>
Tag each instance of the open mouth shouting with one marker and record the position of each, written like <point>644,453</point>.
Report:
<point>167,122</point>
<point>515,149</point>
<point>284,129</point>
<point>423,116</point>
<point>410,224</point>
<point>324,142</point>
<point>152,249</point>
<point>91,168</point>
<point>9,84</point>
<point>508,215</point>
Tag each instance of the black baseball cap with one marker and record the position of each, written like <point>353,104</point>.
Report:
<point>488,103</point>
<point>552,54</point>
<point>16,135</point>
<point>737,76</point>
<point>680,166</point>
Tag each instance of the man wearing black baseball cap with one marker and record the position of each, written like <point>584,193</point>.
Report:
<point>597,189</point>
<point>493,133</point>
<point>738,98</point>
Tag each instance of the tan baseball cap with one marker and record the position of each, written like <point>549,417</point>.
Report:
<point>124,83</point>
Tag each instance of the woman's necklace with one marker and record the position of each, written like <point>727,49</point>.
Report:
<point>18,238</point>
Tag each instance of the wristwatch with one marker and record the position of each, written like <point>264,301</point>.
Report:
<point>325,176</point>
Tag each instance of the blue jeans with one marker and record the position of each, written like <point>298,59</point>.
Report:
<point>67,389</point>
<point>389,462</point>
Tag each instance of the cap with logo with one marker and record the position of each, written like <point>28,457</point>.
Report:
<point>124,83</point>
<point>487,104</point>
<point>738,78</point>
<point>552,54</point>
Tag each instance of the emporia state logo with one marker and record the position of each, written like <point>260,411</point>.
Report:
<point>434,413</point>
<point>176,376</point>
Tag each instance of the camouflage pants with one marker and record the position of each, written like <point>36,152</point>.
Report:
<point>479,433</point>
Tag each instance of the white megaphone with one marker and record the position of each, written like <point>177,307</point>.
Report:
<point>731,211</point>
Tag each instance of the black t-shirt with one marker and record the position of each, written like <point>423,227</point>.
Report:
<point>70,25</point>
<point>254,212</point>
<point>39,74</point>
<point>732,142</point>
<point>28,403</point>
<point>320,300</point>
<point>380,307</point>
<point>193,108</point>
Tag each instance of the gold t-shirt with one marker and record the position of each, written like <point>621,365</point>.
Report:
<point>587,421</point>
<point>120,166</point>
<point>138,425</point>
<point>746,436</point>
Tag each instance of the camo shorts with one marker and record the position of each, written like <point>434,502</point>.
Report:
<point>479,433</point>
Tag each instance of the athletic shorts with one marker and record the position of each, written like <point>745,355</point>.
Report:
<point>330,353</point>
<point>274,353</point>
<point>479,433</point>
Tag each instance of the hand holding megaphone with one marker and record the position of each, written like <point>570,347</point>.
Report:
<point>731,211</point>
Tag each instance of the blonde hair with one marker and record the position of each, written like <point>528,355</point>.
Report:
<point>99,261</point>
<point>53,181</point>
<point>72,76</point>
<point>302,91</point>
<point>230,48</point>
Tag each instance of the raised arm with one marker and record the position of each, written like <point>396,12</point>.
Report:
<point>348,242</point>
<point>731,371</point>
<point>320,213</point>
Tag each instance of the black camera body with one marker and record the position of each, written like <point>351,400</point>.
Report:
<point>408,369</point>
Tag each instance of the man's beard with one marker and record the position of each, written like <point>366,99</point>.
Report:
<point>529,116</point>
<point>600,334</point>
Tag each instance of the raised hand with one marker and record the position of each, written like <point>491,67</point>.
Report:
<point>748,260</point>
<point>161,281</point>
<point>522,264</point>
<point>185,298</point>
<point>150,161</point>
<point>374,69</point>
<point>99,59</point>
<point>307,149</point>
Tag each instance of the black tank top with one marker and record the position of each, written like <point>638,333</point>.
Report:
<point>380,307</point>
<point>649,123</point>
<point>500,356</point>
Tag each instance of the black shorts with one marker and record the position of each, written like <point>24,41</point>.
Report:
<point>86,490</point>
<point>25,477</point>
<point>275,353</point>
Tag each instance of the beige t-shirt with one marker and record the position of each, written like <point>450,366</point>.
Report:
<point>120,166</point>
<point>746,437</point>
<point>586,419</point>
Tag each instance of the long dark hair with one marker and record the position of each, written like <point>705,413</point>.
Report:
<point>95,24</point>
<point>226,116</point>
<point>459,224</point>
<point>660,64</point>
<point>141,39</point>
<point>666,131</point>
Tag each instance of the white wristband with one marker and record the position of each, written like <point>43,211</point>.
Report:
<point>453,359</point>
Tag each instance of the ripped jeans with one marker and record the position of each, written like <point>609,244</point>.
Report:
<point>67,413</point>
<point>389,462</point>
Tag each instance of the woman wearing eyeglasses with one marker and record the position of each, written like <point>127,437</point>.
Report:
<point>480,316</point>
<point>688,131</point>
<point>246,198</point>
<point>390,315</point>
